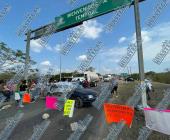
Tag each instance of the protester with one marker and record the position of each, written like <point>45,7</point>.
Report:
<point>79,82</point>
<point>17,95</point>
<point>42,90</point>
<point>85,83</point>
<point>22,89</point>
<point>114,87</point>
<point>149,88</point>
<point>32,90</point>
<point>5,91</point>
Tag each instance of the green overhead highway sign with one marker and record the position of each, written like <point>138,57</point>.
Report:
<point>83,13</point>
<point>88,11</point>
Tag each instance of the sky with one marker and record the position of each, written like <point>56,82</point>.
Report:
<point>115,43</point>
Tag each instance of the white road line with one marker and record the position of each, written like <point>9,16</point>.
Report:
<point>39,130</point>
<point>82,126</point>
<point>11,123</point>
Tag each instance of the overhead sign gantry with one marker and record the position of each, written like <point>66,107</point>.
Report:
<point>91,10</point>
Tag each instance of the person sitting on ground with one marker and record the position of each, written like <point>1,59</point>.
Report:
<point>114,87</point>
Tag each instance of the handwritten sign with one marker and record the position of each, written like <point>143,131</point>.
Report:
<point>51,102</point>
<point>69,108</point>
<point>117,113</point>
<point>157,120</point>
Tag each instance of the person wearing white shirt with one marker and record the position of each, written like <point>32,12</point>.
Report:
<point>148,88</point>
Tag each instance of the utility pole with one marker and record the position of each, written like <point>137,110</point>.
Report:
<point>139,50</point>
<point>130,70</point>
<point>27,59</point>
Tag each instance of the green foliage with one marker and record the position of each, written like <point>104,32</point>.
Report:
<point>10,57</point>
<point>135,76</point>
<point>6,76</point>
<point>163,77</point>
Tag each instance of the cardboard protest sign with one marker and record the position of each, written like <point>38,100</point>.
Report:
<point>26,98</point>
<point>117,113</point>
<point>51,102</point>
<point>158,120</point>
<point>69,108</point>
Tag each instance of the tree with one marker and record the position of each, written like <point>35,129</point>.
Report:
<point>91,69</point>
<point>167,69</point>
<point>10,59</point>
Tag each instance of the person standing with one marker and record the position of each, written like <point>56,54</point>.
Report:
<point>148,88</point>
<point>85,83</point>
<point>22,90</point>
<point>114,87</point>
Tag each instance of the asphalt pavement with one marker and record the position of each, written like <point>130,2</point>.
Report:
<point>59,125</point>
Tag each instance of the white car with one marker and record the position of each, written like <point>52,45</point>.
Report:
<point>76,78</point>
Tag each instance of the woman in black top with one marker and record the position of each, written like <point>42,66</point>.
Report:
<point>23,86</point>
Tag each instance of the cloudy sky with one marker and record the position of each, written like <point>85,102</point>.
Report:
<point>115,42</point>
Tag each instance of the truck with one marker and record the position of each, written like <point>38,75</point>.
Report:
<point>107,78</point>
<point>92,78</point>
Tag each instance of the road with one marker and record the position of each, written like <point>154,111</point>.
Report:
<point>59,127</point>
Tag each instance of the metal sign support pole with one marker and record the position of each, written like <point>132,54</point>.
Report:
<point>27,59</point>
<point>60,66</point>
<point>139,50</point>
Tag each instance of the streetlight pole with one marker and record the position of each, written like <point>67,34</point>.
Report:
<point>139,50</point>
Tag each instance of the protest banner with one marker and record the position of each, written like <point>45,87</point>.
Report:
<point>158,120</point>
<point>117,113</point>
<point>51,102</point>
<point>69,108</point>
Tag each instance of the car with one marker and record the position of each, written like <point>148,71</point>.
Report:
<point>106,79</point>
<point>73,91</point>
<point>76,78</point>
<point>83,96</point>
<point>129,79</point>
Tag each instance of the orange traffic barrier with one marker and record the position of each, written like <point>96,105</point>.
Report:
<point>117,113</point>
